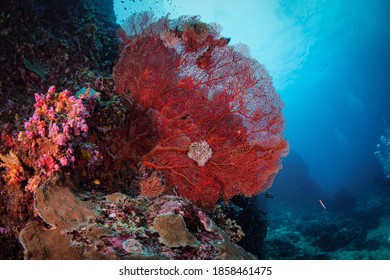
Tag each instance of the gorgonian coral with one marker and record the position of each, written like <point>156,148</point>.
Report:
<point>209,116</point>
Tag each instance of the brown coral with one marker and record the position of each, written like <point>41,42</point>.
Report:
<point>74,233</point>
<point>173,230</point>
<point>60,207</point>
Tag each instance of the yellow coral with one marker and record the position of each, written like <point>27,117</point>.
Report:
<point>14,174</point>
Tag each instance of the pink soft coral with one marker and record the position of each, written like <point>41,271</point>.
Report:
<point>51,135</point>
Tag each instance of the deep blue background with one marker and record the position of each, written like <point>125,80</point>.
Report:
<point>336,123</point>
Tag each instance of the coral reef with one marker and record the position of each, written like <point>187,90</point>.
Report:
<point>245,222</point>
<point>54,42</point>
<point>69,44</point>
<point>64,213</point>
<point>87,226</point>
<point>359,233</point>
<point>87,174</point>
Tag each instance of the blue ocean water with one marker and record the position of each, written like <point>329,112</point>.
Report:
<point>336,121</point>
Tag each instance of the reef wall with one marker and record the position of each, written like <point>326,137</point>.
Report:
<point>70,44</point>
<point>66,43</point>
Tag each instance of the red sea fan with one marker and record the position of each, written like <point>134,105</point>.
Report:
<point>217,114</point>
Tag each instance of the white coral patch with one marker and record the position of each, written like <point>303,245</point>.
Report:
<point>200,152</point>
<point>170,39</point>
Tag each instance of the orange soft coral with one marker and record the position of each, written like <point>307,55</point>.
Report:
<point>14,173</point>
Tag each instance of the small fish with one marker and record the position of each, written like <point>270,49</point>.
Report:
<point>322,204</point>
<point>96,182</point>
<point>268,195</point>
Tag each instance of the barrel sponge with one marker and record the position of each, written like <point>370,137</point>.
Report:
<point>173,230</point>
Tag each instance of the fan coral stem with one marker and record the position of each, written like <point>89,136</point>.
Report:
<point>170,168</point>
<point>159,149</point>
